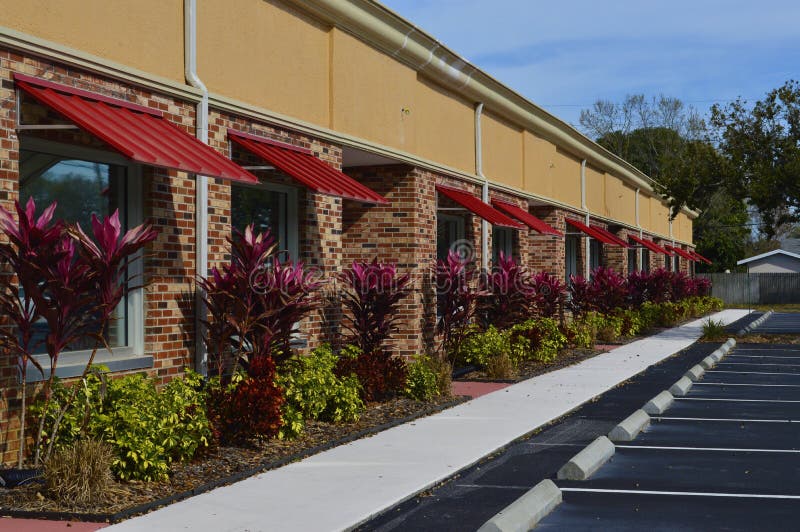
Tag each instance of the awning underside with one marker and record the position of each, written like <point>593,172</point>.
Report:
<point>139,133</point>
<point>525,217</point>
<point>478,207</point>
<point>301,164</point>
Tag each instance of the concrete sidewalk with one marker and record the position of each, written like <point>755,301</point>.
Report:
<point>345,486</point>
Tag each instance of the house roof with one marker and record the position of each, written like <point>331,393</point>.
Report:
<point>769,254</point>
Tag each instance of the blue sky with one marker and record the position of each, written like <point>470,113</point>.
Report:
<point>565,55</point>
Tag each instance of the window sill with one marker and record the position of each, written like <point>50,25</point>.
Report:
<point>73,364</point>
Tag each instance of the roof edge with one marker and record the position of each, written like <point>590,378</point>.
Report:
<point>768,254</point>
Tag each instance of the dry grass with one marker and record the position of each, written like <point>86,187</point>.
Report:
<point>500,367</point>
<point>607,334</point>
<point>80,474</point>
<point>444,376</point>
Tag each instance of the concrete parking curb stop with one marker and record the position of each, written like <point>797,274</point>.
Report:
<point>585,463</point>
<point>659,403</point>
<point>695,372</point>
<point>708,362</point>
<point>681,388</point>
<point>630,427</point>
<point>524,513</point>
<point>755,323</point>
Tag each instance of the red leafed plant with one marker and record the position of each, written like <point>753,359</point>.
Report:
<point>639,288</point>
<point>581,298</point>
<point>67,279</point>
<point>249,408</point>
<point>457,300</point>
<point>372,296</point>
<point>31,241</point>
<point>509,296</point>
<point>381,375</point>
<point>609,290</point>
<point>681,286</point>
<point>550,294</point>
<point>254,304</point>
<point>660,287</point>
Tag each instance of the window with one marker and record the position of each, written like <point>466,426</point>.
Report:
<point>645,260</point>
<point>632,252</point>
<point>86,181</point>
<point>595,254</point>
<point>268,207</point>
<point>450,236</point>
<point>668,263</point>
<point>502,240</point>
<point>571,256</point>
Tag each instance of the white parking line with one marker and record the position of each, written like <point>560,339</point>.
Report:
<point>737,420</point>
<point>740,384</point>
<point>722,449</point>
<point>740,349</point>
<point>758,364</point>
<point>753,372</point>
<point>736,400</point>
<point>688,493</point>
<point>760,356</point>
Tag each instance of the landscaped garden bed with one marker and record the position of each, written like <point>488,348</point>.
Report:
<point>110,446</point>
<point>219,465</point>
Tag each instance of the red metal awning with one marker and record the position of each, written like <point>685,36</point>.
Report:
<point>525,217</point>
<point>477,207</point>
<point>681,252</point>
<point>608,234</point>
<point>649,244</point>
<point>139,133</point>
<point>698,256</point>
<point>301,164</point>
<point>590,231</point>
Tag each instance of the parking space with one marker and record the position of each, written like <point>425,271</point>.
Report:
<point>725,456</point>
<point>780,323</point>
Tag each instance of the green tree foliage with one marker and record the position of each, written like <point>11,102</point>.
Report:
<point>762,144</point>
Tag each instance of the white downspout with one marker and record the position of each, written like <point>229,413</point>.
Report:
<point>201,181</point>
<point>639,253</point>
<point>587,268</point>
<point>485,190</point>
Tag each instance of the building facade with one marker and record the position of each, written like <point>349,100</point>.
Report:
<point>209,116</point>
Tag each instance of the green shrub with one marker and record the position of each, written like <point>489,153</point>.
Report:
<point>478,347</point>
<point>609,328</point>
<point>581,332</point>
<point>146,428</point>
<point>314,391</point>
<point>539,339</point>
<point>428,377</point>
<point>632,322</point>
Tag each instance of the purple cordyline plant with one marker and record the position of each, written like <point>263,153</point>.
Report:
<point>30,241</point>
<point>581,299</point>
<point>609,290</point>
<point>372,295</point>
<point>660,286</point>
<point>510,296</point>
<point>638,288</point>
<point>550,295</point>
<point>92,285</point>
<point>457,299</point>
<point>254,303</point>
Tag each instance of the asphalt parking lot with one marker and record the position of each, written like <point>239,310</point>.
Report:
<point>726,456</point>
<point>468,500</point>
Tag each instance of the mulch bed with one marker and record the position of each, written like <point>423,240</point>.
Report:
<point>219,466</point>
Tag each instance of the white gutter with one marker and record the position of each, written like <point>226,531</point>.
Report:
<point>201,181</point>
<point>639,258</point>
<point>485,187</point>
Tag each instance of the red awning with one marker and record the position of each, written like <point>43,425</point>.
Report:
<point>477,207</point>
<point>681,252</point>
<point>525,217</point>
<point>139,133</point>
<point>590,231</point>
<point>699,256</point>
<point>608,234</point>
<point>301,164</point>
<point>649,244</point>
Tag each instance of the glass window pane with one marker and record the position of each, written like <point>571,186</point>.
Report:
<point>265,209</point>
<point>80,188</point>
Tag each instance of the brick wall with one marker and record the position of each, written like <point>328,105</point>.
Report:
<point>168,201</point>
<point>547,252</point>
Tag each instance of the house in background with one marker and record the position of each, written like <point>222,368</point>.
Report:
<point>777,261</point>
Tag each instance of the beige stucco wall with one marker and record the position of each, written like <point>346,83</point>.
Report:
<point>502,150</point>
<point>659,218</point>
<point>596,191</point>
<point>265,54</point>
<point>550,172</point>
<point>144,34</point>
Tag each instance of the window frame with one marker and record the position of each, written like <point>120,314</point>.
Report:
<point>459,233</point>
<point>291,214</point>
<point>132,355</point>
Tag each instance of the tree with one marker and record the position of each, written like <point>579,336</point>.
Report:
<point>762,146</point>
